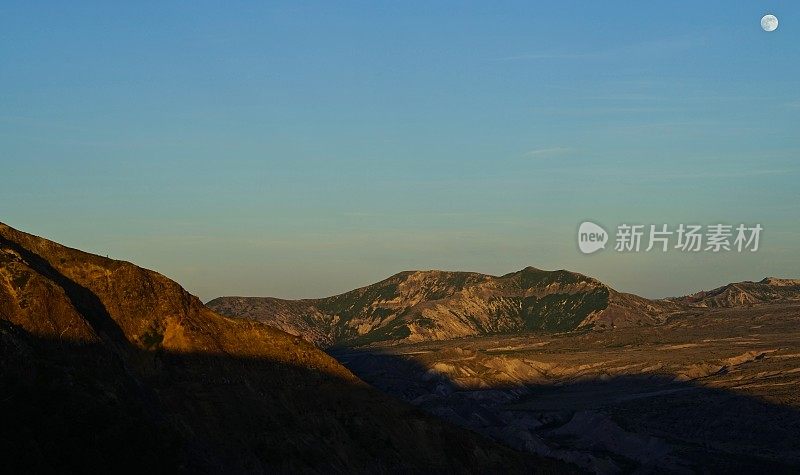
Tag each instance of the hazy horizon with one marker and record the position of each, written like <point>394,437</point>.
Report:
<point>301,151</point>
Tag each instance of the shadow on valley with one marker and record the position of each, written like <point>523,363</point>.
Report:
<point>605,425</point>
<point>74,407</point>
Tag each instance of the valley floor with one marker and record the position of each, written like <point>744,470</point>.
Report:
<point>713,388</point>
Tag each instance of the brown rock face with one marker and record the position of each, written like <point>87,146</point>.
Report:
<point>436,305</point>
<point>742,294</point>
<point>106,366</point>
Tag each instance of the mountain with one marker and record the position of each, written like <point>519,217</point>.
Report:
<point>738,294</point>
<point>678,386</point>
<point>105,366</point>
<point>418,306</point>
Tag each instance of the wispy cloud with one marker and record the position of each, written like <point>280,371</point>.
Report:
<point>729,174</point>
<point>534,56</point>
<point>547,152</point>
<point>702,175</point>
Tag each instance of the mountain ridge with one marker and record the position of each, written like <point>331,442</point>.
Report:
<point>433,305</point>
<point>744,293</point>
<point>414,306</point>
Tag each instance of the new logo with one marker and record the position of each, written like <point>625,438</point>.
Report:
<point>591,237</point>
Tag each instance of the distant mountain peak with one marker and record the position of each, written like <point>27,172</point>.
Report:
<point>435,305</point>
<point>532,269</point>
<point>421,305</point>
<point>779,282</point>
<point>745,293</point>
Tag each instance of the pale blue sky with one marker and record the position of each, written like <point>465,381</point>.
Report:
<point>301,149</point>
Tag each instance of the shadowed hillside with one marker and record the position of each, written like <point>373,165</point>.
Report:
<point>106,366</point>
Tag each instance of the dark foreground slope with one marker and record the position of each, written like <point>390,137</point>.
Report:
<point>106,366</point>
<point>436,305</point>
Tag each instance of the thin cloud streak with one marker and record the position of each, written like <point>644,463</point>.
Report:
<point>534,56</point>
<point>547,152</point>
<point>699,175</point>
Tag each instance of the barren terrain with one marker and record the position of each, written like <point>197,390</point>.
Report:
<point>707,389</point>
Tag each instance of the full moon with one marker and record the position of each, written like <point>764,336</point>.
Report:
<point>769,23</point>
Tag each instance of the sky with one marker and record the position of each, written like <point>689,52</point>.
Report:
<point>302,149</point>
